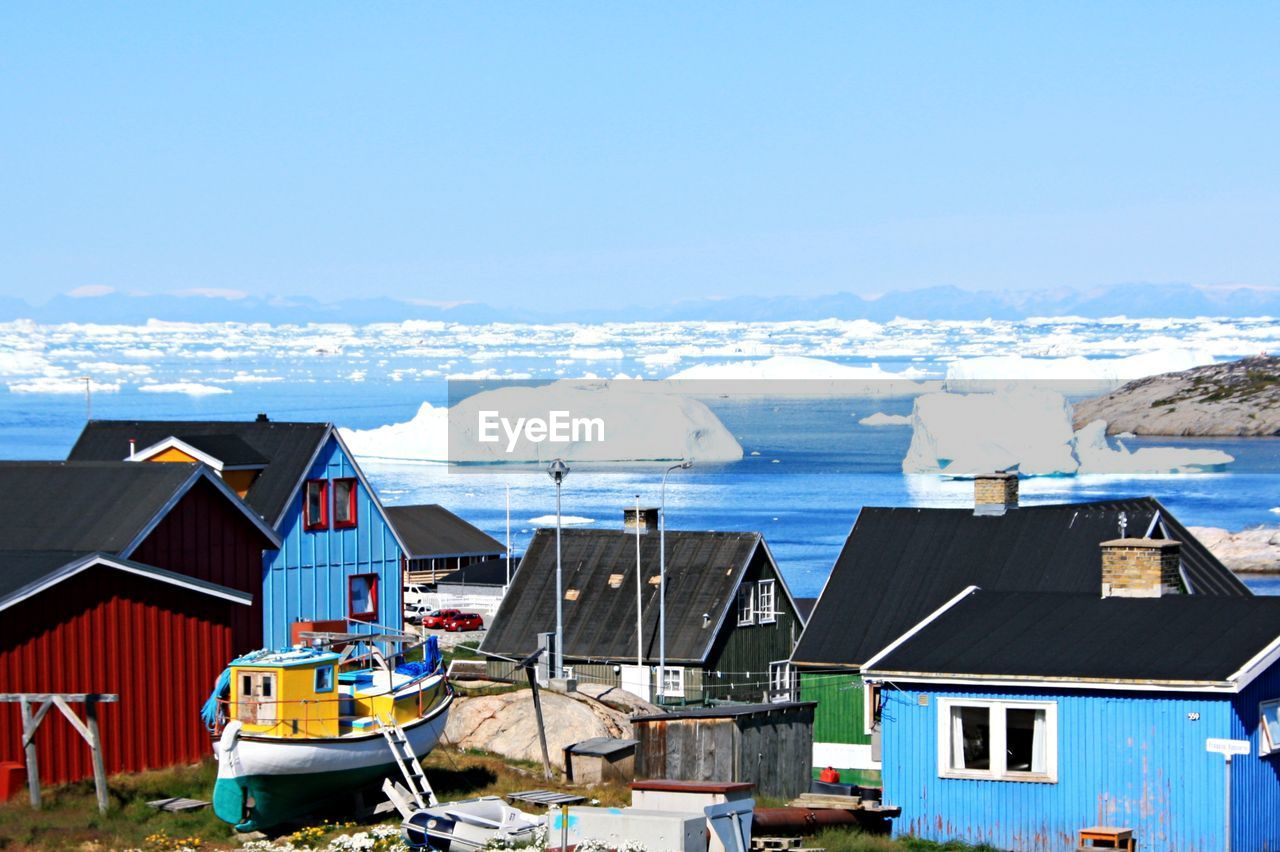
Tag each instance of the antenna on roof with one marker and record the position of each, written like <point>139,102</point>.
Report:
<point>1123,523</point>
<point>88,397</point>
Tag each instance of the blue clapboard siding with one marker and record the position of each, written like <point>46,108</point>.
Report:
<point>1255,782</point>
<point>307,578</point>
<point>1130,759</point>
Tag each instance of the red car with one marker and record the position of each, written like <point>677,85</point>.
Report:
<point>438,618</point>
<point>464,621</point>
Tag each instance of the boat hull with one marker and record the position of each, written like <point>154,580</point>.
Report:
<point>264,781</point>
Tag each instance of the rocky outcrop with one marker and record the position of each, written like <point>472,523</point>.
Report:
<point>1240,398</point>
<point>506,724</point>
<point>1252,551</point>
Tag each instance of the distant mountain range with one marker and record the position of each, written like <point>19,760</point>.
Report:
<point>934,303</point>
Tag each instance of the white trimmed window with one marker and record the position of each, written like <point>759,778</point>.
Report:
<point>673,682</point>
<point>782,681</point>
<point>746,604</point>
<point>764,602</point>
<point>1269,723</point>
<point>998,740</point>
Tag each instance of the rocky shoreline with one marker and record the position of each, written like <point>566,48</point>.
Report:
<point>1251,551</point>
<point>1235,399</point>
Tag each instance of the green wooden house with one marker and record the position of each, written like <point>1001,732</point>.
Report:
<point>900,564</point>
<point>731,621</point>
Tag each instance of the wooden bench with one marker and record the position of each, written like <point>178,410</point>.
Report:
<point>1110,836</point>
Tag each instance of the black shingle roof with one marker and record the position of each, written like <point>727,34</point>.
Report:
<point>703,573</point>
<point>487,572</point>
<point>900,564</point>
<point>231,450</point>
<point>83,506</point>
<point>1083,636</point>
<point>287,448</point>
<point>430,530</point>
<point>20,570</point>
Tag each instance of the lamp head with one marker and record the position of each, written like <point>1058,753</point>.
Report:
<point>558,470</point>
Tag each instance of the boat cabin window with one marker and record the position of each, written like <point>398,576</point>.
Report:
<point>344,503</point>
<point>257,699</point>
<point>362,597</point>
<point>315,505</point>
<point>324,679</point>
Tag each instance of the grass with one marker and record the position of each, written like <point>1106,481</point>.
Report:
<point>70,819</point>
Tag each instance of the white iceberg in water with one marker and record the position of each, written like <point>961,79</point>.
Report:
<point>565,521</point>
<point>599,421</point>
<point>965,434</point>
<point>793,368</point>
<point>991,371</point>
<point>882,419</point>
<point>1029,430</point>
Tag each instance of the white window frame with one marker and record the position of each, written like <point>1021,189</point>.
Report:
<point>1266,744</point>
<point>871,692</point>
<point>749,590</point>
<point>782,681</point>
<point>997,770</point>
<point>770,615</point>
<point>678,672</point>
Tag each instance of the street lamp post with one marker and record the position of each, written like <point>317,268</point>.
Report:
<point>558,470</point>
<point>662,580</point>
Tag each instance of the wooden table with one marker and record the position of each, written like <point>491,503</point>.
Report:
<point>1112,837</point>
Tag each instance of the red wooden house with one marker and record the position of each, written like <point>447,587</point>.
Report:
<point>138,580</point>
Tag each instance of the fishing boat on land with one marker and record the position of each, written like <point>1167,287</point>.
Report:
<point>297,728</point>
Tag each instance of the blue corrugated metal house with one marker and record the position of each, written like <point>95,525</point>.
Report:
<point>1018,718</point>
<point>340,557</point>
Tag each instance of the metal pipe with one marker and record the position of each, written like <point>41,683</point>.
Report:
<point>639,584</point>
<point>803,820</point>
<point>662,580</point>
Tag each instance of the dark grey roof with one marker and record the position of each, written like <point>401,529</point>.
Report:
<point>804,607</point>
<point>22,571</point>
<point>1083,636</point>
<point>83,506</point>
<point>601,746</point>
<point>726,711</point>
<point>703,573</point>
<point>487,572</point>
<point>287,447</point>
<point>430,530</point>
<point>231,450</point>
<point>900,564</point>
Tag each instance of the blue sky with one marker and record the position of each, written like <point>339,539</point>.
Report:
<point>607,153</point>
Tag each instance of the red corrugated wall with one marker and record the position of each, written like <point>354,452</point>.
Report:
<point>159,646</point>
<point>207,537</point>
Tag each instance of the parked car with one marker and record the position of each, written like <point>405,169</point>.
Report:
<point>437,618</point>
<point>464,621</point>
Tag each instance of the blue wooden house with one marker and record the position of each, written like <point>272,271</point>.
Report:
<point>1018,718</point>
<point>339,559</point>
<point>901,563</point>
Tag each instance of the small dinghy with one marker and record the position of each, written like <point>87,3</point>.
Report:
<point>468,824</point>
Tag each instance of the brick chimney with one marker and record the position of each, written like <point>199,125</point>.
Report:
<point>995,493</point>
<point>648,519</point>
<point>1141,568</point>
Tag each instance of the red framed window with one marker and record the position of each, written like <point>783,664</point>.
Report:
<point>344,503</point>
<point>315,504</point>
<point>362,597</point>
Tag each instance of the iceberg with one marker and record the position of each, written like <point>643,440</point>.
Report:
<point>794,368</point>
<point>189,388</point>
<point>637,421</point>
<point>1029,430</point>
<point>882,419</point>
<point>990,371</point>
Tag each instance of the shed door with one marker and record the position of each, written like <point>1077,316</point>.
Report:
<point>257,698</point>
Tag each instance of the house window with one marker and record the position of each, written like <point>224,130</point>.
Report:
<point>998,740</point>
<point>1269,722</point>
<point>324,679</point>
<point>344,503</point>
<point>362,597</point>
<point>870,707</point>
<point>673,682</point>
<point>746,604</point>
<point>764,602</point>
<point>315,505</point>
<point>782,681</point>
